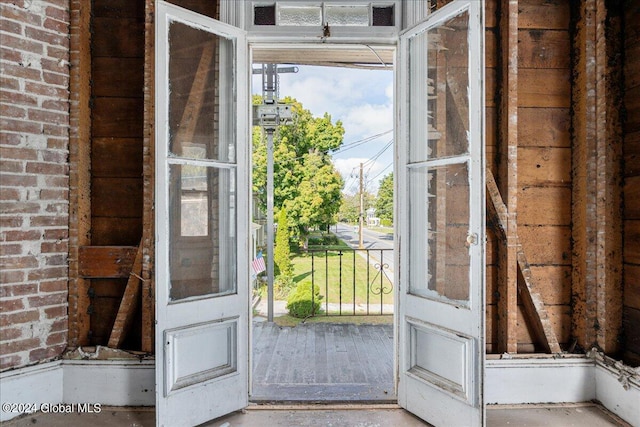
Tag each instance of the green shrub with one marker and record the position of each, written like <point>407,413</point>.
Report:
<point>282,253</point>
<point>282,286</point>
<point>300,303</point>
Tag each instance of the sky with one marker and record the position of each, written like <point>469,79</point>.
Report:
<point>363,101</point>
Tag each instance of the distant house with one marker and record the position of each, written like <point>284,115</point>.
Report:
<point>372,219</point>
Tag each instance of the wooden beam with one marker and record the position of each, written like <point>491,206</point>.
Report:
<point>128,304</point>
<point>79,167</point>
<point>106,262</point>
<point>531,300</point>
<point>508,174</point>
<point>148,172</point>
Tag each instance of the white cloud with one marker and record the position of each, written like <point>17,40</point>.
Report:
<point>367,120</point>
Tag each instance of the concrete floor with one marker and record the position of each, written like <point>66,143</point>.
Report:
<point>579,415</point>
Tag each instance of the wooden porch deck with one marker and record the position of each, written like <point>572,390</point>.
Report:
<point>322,362</point>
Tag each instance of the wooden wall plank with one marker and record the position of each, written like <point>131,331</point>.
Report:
<point>543,166</point>
<point>544,87</point>
<point>544,49</point>
<point>553,283</point>
<point>118,37</point>
<point>117,197</point>
<point>110,288</point>
<point>632,197</point>
<point>632,286</point>
<point>632,154</point>
<point>118,77</point>
<point>116,157</point>
<point>545,15</point>
<point>544,206</point>
<point>118,9</point>
<point>106,261</point>
<point>103,313</point>
<point>632,105</point>
<point>632,242</point>
<point>116,231</point>
<point>631,320</point>
<point>117,117</point>
<point>546,245</point>
<point>554,132</point>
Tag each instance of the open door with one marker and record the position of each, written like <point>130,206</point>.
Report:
<point>441,211</point>
<point>202,208</point>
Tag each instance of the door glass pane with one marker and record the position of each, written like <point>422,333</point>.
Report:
<point>439,223</point>
<point>439,98</point>
<point>202,230</point>
<point>201,112</point>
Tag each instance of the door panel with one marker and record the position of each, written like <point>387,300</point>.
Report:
<point>202,206</point>
<point>441,215</point>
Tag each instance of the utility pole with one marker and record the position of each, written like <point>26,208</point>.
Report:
<point>269,116</point>
<point>361,242</point>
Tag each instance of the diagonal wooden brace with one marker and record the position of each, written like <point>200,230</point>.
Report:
<point>532,302</point>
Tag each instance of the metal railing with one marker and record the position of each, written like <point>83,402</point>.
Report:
<point>352,281</point>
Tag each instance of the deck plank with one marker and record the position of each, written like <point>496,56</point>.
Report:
<point>323,362</point>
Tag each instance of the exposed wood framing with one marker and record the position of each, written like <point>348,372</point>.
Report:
<point>596,233</point>
<point>106,262</point>
<point>79,171</point>
<point>532,302</point>
<point>129,303</point>
<point>148,218</point>
<point>508,177</point>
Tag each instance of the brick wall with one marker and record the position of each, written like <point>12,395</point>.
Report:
<point>34,180</point>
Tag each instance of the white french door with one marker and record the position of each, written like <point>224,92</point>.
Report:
<point>441,216</point>
<point>202,217</point>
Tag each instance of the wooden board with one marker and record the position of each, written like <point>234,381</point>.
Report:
<point>106,261</point>
<point>116,157</point>
<point>544,206</point>
<point>632,197</point>
<point>554,133</point>
<point>632,154</point>
<point>632,286</point>
<point>129,303</point>
<point>117,77</point>
<point>544,166</point>
<point>117,197</point>
<point>111,288</point>
<point>544,88</point>
<point>546,245</point>
<point>117,117</point>
<point>116,231</point>
<point>118,37</point>
<point>630,321</point>
<point>553,14</point>
<point>118,9</point>
<point>544,49</point>
<point>632,242</point>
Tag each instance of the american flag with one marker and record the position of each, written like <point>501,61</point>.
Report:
<point>258,263</point>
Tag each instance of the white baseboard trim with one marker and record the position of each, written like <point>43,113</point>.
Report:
<point>519,380</point>
<point>539,380</point>
<point>32,386</point>
<point>618,388</point>
<point>110,382</point>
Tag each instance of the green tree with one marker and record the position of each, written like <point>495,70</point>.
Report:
<point>384,200</point>
<point>350,208</point>
<point>306,182</point>
<point>282,251</point>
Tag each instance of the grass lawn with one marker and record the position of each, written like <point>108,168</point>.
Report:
<point>337,279</point>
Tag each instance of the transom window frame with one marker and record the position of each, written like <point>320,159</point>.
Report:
<point>313,33</point>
